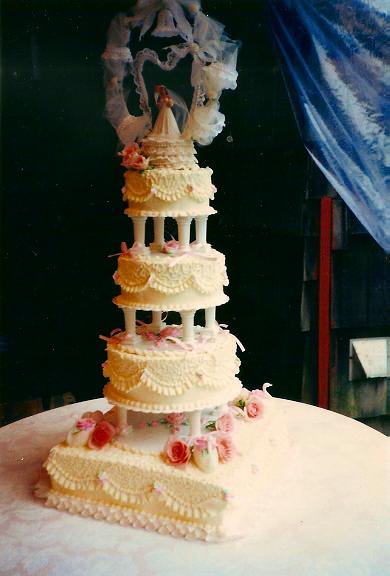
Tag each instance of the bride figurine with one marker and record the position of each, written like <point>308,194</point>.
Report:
<point>165,125</point>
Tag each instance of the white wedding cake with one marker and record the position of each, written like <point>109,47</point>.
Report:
<point>185,449</point>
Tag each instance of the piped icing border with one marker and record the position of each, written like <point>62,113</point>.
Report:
<point>205,273</point>
<point>132,485</point>
<point>169,185</point>
<point>171,212</point>
<point>123,302</point>
<point>207,401</point>
<point>172,372</point>
<point>128,517</point>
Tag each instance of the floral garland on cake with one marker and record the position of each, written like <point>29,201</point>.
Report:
<point>95,430</point>
<point>217,445</point>
<point>132,158</point>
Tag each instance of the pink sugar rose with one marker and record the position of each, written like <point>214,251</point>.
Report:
<point>178,452</point>
<point>128,153</point>
<point>254,407</point>
<point>140,162</point>
<point>85,424</point>
<point>130,149</point>
<point>175,419</point>
<point>225,447</point>
<point>154,423</point>
<point>101,435</point>
<point>96,416</point>
<point>131,157</point>
<point>225,423</point>
<point>128,160</point>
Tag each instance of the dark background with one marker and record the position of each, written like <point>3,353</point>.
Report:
<point>62,211</point>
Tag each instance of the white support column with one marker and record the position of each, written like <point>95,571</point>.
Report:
<point>184,231</point>
<point>210,318</point>
<point>130,318</point>
<point>139,229</point>
<point>156,322</point>
<point>201,229</point>
<point>122,418</point>
<point>158,226</point>
<point>195,423</point>
<point>187,320</point>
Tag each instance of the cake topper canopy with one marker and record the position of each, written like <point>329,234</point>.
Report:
<point>213,68</point>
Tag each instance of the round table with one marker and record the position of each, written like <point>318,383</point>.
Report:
<point>328,514</point>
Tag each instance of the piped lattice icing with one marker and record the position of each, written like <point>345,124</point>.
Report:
<point>156,281</point>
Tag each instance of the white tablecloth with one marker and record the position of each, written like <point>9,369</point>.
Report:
<point>329,515</point>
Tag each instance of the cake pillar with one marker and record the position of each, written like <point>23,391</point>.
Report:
<point>210,319</point>
<point>156,322</point>
<point>139,229</point>
<point>195,423</point>
<point>122,418</point>
<point>184,231</point>
<point>187,320</point>
<point>201,229</point>
<point>158,225</point>
<point>130,317</point>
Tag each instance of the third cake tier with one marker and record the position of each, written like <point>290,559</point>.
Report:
<point>172,376</point>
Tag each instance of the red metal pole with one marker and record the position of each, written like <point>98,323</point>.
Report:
<point>324,283</point>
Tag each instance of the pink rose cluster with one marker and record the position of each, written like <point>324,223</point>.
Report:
<point>179,451</point>
<point>132,158</point>
<point>94,429</point>
<point>250,404</point>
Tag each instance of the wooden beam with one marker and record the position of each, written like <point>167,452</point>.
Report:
<point>324,284</point>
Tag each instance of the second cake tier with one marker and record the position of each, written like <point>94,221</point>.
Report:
<point>155,281</point>
<point>173,377</point>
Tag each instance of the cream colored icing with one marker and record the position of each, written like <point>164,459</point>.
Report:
<point>172,379</point>
<point>169,151</point>
<point>169,192</point>
<point>149,401</point>
<point>182,207</point>
<point>169,184</point>
<point>145,491</point>
<point>156,281</point>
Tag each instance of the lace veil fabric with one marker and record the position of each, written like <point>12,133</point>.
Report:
<point>214,57</point>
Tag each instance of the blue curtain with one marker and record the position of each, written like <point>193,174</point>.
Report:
<point>336,68</point>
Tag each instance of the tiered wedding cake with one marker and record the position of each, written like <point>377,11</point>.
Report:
<point>183,449</point>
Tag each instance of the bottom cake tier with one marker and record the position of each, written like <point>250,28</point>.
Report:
<point>132,479</point>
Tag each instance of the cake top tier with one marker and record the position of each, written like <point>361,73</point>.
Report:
<point>165,147</point>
